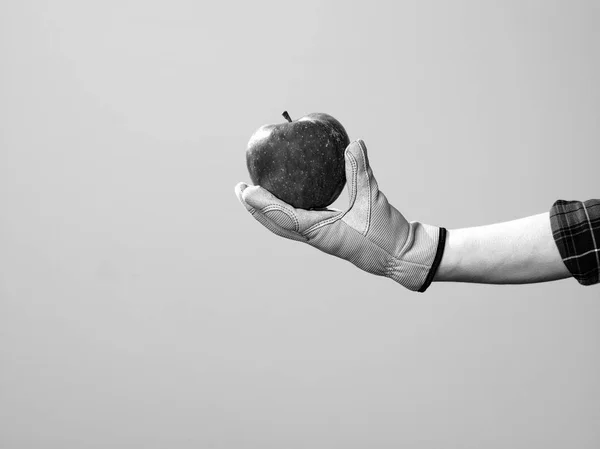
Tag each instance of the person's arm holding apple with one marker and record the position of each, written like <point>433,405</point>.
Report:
<point>375,236</point>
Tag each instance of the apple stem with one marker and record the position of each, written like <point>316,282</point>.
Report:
<point>287,116</point>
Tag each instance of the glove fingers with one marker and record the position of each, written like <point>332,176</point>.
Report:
<point>239,189</point>
<point>283,214</point>
<point>269,221</point>
<point>254,199</point>
<point>259,199</point>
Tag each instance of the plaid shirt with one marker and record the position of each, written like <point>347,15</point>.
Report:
<point>576,231</point>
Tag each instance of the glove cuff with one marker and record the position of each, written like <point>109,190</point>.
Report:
<point>436,261</point>
<point>416,265</point>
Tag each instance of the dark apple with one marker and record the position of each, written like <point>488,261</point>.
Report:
<point>301,161</point>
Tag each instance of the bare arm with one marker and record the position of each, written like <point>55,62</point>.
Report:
<point>521,251</point>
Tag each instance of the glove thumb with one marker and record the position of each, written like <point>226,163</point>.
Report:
<point>362,186</point>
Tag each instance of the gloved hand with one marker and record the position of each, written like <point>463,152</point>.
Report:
<point>371,233</point>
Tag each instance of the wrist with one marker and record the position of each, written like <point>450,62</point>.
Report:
<point>449,267</point>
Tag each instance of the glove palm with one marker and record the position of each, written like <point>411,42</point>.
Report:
<point>370,233</point>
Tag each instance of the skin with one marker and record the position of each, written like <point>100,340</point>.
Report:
<point>521,251</point>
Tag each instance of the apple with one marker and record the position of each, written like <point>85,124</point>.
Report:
<point>300,161</point>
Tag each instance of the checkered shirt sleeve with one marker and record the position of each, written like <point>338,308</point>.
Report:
<point>576,231</point>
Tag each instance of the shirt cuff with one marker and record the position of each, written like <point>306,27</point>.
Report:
<point>576,231</point>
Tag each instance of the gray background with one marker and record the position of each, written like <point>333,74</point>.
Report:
<point>141,306</point>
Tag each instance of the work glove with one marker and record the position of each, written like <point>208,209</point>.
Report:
<point>370,233</point>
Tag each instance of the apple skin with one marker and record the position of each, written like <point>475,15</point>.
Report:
<point>301,162</point>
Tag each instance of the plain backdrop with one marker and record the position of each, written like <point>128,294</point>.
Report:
<point>141,306</point>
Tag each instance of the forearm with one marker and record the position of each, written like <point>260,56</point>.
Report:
<point>515,252</point>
